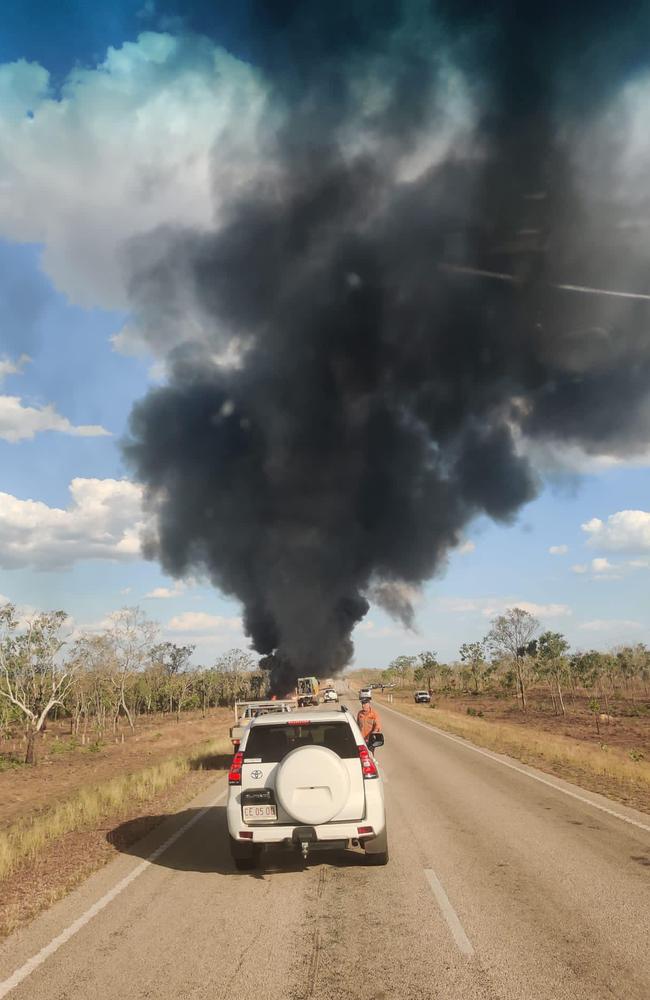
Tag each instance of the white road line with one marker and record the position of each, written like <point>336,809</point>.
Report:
<point>449,913</point>
<point>520,770</point>
<point>50,949</point>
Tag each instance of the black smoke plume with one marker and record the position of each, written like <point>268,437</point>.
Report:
<point>401,337</point>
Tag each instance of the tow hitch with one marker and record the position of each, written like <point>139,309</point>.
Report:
<point>303,837</point>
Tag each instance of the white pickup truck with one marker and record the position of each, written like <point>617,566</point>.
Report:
<point>247,710</point>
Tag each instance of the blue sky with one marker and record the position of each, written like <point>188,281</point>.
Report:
<point>71,192</point>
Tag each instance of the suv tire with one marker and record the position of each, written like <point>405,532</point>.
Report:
<point>381,858</point>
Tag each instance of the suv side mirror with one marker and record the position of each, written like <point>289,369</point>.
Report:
<point>375,740</point>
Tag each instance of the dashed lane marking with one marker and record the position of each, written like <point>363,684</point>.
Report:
<point>449,913</point>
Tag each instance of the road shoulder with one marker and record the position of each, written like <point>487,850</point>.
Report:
<point>27,942</point>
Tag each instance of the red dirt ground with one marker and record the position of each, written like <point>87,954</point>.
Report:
<point>624,731</point>
<point>30,789</point>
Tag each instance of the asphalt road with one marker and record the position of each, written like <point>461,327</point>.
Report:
<point>499,886</point>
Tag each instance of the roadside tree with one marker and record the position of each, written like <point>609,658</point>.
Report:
<point>402,668</point>
<point>172,658</point>
<point>233,670</point>
<point>426,669</point>
<point>593,671</point>
<point>33,677</point>
<point>474,655</point>
<point>552,648</point>
<point>182,688</point>
<point>93,694</point>
<point>632,664</point>
<point>173,661</point>
<point>132,636</point>
<point>511,635</point>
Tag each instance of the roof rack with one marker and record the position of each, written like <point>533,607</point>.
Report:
<point>268,702</point>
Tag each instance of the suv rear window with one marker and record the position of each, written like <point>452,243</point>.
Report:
<point>273,743</point>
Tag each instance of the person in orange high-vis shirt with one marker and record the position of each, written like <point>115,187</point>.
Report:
<point>368,720</point>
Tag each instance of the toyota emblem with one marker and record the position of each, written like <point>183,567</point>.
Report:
<point>256,774</point>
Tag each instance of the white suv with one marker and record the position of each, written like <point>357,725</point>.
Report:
<point>307,782</point>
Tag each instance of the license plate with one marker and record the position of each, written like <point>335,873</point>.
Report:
<point>258,814</point>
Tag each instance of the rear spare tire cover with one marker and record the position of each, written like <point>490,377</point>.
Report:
<point>312,784</point>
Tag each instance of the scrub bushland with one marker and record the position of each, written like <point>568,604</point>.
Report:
<point>612,771</point>
<point>25,839</point>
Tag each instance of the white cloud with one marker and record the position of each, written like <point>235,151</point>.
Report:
<point>150,137</point>
<point>200,621</point>
<point>8,367</point>
<point>602,569</point>
<point>164,593</point>
<point>19,422</point>
<point>624,531</point>
<point>366,626</point>
<point>374,631</point>
<point>103,521</point>
<point>601,566</point>
<point>558,550</point>
<point>465,605</point>
<point>93,628</point>
<point>544,610</point>
<point>490,606</point>
<point>558,458</point>
<point>466,548</point>
<point>609,625</point>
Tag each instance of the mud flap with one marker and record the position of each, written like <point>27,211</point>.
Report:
<point>376,850</point>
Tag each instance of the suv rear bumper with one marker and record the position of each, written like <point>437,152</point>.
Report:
<point>277,833</point>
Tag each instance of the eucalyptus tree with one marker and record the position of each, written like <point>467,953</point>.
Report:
<point>132,636</point>
<point>34,678</point>
<point>511,635</point>
<point>474,655</point>
<point>552,648</point>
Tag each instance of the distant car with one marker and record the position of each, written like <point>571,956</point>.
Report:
<point>330,695</point>
<point>422,696</point>
<point>365,693</point>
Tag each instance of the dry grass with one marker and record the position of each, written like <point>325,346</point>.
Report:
<point>611,769</point>
<point>27,838</point>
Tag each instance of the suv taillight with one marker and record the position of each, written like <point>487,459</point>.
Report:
<point>234,775</point>
<point>368,766</point>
